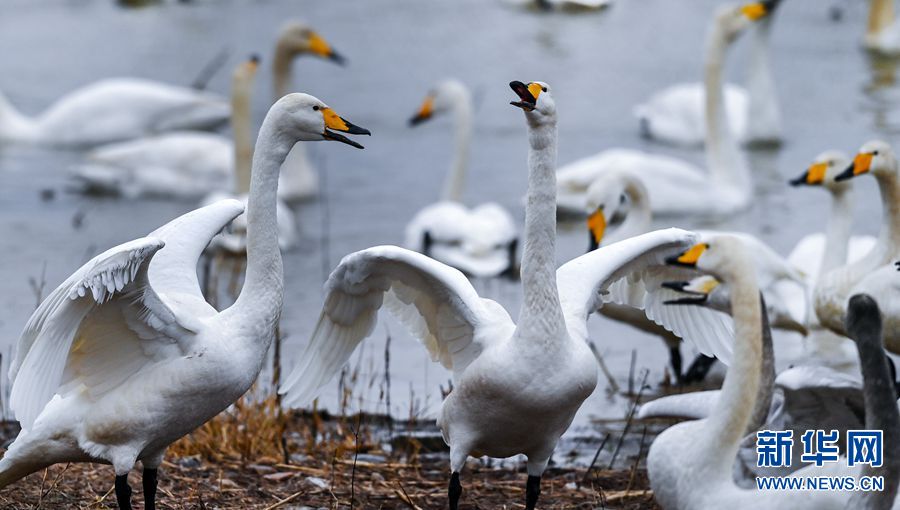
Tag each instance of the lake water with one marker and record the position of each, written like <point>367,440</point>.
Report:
<point>600,65</point>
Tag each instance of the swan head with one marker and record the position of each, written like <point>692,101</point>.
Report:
<point>824,171</point>
<point>864,319</point>
<point>444,97</point>
<point>875,157</point>
<point>304,117</point>
<point>604,198</point>
<point>723,257</point>
<point>297,39</point>
<point>732,20</point>
<point>536,99</point>
<point>697,290</point>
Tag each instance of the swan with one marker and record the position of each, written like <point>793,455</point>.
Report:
<point>882,30</point>
<point>675,186</point>
<point>676,114</point>
<point>189,164</point>
<point>516,386</point>
<point>568,5</point>
<point>234,238</point>
<point>126,356</point>
<point>481,241</point>
<point>111,110</point>
<point>834,287</point>
<point>690,464</point>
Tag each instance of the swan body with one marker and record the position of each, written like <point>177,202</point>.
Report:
<point>676,187</point>
<point>126,356</point>
<point>113,110</point>
<point>480,241</point>
<point>518,385</point>
<point>676,115</point>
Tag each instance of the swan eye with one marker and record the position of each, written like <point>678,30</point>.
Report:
<point>316,108</point>
<point>544,89</point>
<point>874,153</point>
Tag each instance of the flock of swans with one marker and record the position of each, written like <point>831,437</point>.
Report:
<point>126,355</point>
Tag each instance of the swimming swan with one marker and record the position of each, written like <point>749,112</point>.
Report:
<point>676,114</point>
<point>126,356</point>
<point>516,386</point>
<point>481,241</point>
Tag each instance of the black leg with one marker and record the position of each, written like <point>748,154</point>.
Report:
<point>150,482</point>
<point>532,491</point>
<point>123,492</point>
<point>675,361</point>
<point>454,491</point>
<point>698,369</point>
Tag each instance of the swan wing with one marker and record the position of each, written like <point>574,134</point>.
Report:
<point>631,272</point>
<point>436,302</point>
<point>695,405</point>
<point>134,304</point>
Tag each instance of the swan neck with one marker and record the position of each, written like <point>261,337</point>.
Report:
<point>639,214</point>
<point>282,68</point>
<point>241,129</point>
<point>262,294</point>
<point>763,403</point>
<point>732,413</point>
<point>764,117</point>
<point>881,16</point>
<point>456,178</point>
<point>837,234</point>
<point>541,313</point>
<point>723,158</point>
<point>889,188</point>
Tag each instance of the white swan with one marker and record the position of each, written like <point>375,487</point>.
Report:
<point>234,238</point>
<point>516,386</point>
<point>677,187</point>
<point>834,287</point>
<point>690,464</point>
<point>882,29</point>
<point>676,114</point>
<point>111,110</point>
<point>194,164</point>
<point>481,241</point>
<point>126,356</point>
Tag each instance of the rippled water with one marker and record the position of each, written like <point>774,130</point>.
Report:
<point>600,65</point>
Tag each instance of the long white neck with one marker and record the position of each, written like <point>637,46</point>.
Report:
<point>728,421</point>
<point>282,69</point>
<point>259,304</point>
<point>14,125</point>
<point>763,117</point>
<point>298,175</point>
<point>723,158</point>
<point>456,179</point>
<point>541,313</point>
<point>889,187</point>
<point>639,214</point>
<point>881,16</point>
<point>241,127</point>
<point>837,234</point>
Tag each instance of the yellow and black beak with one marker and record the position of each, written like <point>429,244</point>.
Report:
<point>334,122</point>
<point>527,93</point>
<point>688,258</point>
<point>425,111</point>
<point>814,175</point>
<point>319,46</point>
<point>755,11</point>
<point>861,164</point>
<point>596,224</point>
<point>697,290</point>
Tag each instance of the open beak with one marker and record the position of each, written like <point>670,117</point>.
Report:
<point>697,290</point>
<point>596,223</point>
<point>861,164</point>
<point>688,258</point>
<point>334,122</point>
<point>319,46</point>
<point>527,93</point>
<point>424,113</point>
<point>815,174</point>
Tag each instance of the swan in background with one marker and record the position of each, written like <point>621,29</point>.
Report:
<point>111,110</point>
<point>690,463</point>
<point>191,164</point>
<point>516,386</point>
<point>126,356</point>
<point>234,238</point>
<point>882,29</point>
<point>481,241</point>
<point>675,186</point>
<point>298,179</point>
<point>566,5</point>
<point>676,114</point>
<point>834,287</point>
